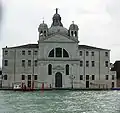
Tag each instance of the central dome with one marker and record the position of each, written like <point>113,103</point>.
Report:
<point>57,26</point>
<point>57,29</point>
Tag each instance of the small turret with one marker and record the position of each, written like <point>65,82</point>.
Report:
<point>73,30</point>
<point>43,30</point>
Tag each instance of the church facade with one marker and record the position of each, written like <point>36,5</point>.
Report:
<point>57,61</point>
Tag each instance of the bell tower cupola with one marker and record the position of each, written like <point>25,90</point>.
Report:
<point>73,30</point>
<point>43,30</point>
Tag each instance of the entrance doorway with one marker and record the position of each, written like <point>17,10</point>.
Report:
<point>58,80</point>
<point>29,84</point>
<point>87,84</point>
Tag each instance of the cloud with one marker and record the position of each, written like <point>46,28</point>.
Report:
<point>98,21</point>
<point>0,13</point>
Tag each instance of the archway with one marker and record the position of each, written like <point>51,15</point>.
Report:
<point>58,80</point>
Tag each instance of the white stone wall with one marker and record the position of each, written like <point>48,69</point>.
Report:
<point>45,48</point>
<point>100,71</point>
<point>8,70</point>
<point>50,79</point>
<point>14,70</point>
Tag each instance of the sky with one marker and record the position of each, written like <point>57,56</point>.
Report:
<point>98,21</point>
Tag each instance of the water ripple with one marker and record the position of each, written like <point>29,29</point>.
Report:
<point>60,102</point>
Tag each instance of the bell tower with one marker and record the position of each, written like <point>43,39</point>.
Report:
<point>73,30</point>
<point>43,30</point>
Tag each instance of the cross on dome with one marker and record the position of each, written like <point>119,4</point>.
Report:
<point>56,10</point>
<point>72,22</point>
<point>43,20</point>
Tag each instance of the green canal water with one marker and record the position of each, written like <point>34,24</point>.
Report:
<point>60,102</point>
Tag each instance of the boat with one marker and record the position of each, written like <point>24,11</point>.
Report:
<point>118,88</point>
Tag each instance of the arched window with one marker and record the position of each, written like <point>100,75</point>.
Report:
<point>41,33</point>
<point>49,69</point>
<point>58,52</point>
<point>51,54</point>
<point>68,32</point>
<point>5,77</point>
<point>67,69</point>
<point>65,53</point>
<point>44,33</point>
<point>75,33</point>
<point>71,33</point>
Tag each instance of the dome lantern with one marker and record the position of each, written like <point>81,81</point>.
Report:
<point>57,26</point>
<point>56,19</point>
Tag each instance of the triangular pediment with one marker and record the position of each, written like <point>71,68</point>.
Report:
<point>59,38</point>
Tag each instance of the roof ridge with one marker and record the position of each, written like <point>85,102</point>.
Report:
<point>91,47</point>
<point>24,46</point>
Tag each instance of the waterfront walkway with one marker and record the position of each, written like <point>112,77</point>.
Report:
<point>50,89</point>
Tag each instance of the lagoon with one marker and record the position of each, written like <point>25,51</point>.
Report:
<point>60,101</point>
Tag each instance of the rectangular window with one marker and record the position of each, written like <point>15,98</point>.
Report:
<point>5,77</point>
<point>81,63</point>
<point>35,52</point>
<point>29,77</point>
<point>106,63</point>
<point>29,63</point>
<point>23,63</point>
<point>35,77</point>
<point>0,72</point>
<point>23,52</point>
<point>5,62</point>
<point>92,53</point>
<point>87,77</point>
<point>113,85</point>
<point>93,77</point>
<point>87,63</point>
<point>113,77</point>
<point>58,52</point>
<point>93,63</point>
<point>29,52</point>
<point>80,53</point>
<point>106,77</point>
<point>6,52</point>
<point>81,77</point>
<point>23,77</point>
<point>106,54</point>
<point>87,53</point>
<point>35,62</point>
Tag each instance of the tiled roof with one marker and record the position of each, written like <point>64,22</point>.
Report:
<point>90,47</point>
<point>25,46</point>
